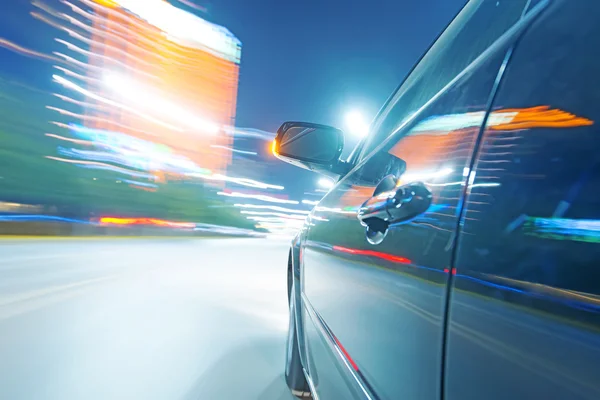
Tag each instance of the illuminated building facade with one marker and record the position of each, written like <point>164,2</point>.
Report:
<point>160,86</point>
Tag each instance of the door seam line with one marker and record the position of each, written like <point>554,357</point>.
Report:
<point>534,14</point>
<point>461,212</point>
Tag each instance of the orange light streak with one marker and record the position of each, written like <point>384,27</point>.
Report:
<point>540,117</point>
<point>145,221</point>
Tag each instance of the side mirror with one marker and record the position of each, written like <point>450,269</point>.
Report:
<point>310,146</point>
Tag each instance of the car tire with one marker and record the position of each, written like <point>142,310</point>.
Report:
<point>294,374</point>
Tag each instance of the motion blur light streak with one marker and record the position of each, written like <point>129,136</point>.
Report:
<point>68,84</point>
<point>258,197</point>
<point>325,183</point>
<point>274,208</point>
<point>249,132</point>
<point>578,230</point>
<point>345,353</point>
<point>372,253</point>
<point>30,217</point>
<point>251,153</point>
<point>159,63</point>
<point>27,52</point>
<point>145,221</point>
<point>422,176</point>
<point>442,124</point>
<point>138,95</point>
<point>142,96</point>
<point>96,164</point>
<point>274,214</point>
<point>290,222</point>
<point>310,202</point>
<point>185,28</point>
<point>502,119</point>
<point>239,181</point>
<point>75,75</point>
<point>143,184</point>
<point>461,183</point>
<point>337,210</point>
<point>78,141</point>
<point>538,117</point>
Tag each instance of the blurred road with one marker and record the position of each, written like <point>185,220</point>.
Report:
<point>143,319</point>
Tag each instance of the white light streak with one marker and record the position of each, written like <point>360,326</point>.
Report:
<point>275,214</point>
<point>451,122</point>
<point>251,153</point>
<point>138,94</point>
<point>310,202</point>
<point>261,197</point>
<point>239,181</point>
<point>184,27</point>
<point>325,183</point>
<point>426,175</point>
<point>274,208</point>
<point>70,85</point>
<point>283,221</point>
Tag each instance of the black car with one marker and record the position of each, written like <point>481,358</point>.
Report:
<point>458,255</point>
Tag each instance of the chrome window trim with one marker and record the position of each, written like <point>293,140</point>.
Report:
<point>328,336</point>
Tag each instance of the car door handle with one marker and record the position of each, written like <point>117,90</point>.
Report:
<point>391,204</point>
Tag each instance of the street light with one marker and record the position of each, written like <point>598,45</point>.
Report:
<point>356,124</point>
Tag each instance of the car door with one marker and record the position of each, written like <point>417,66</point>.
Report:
<point>524,321</point>
<point>374,305</point>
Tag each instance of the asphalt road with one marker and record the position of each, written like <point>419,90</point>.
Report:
<point>143,319</point>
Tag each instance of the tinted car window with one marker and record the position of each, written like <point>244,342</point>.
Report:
<point>476,27</point>
<point>539,164</point>
<point>527,287</point>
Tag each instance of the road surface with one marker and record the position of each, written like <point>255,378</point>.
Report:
<point>143,319</point>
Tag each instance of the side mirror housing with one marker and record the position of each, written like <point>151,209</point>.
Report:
<point>311,146</point>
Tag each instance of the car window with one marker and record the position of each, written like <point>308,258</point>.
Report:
<point>527,263</point>
<point>540,163</point>
<point>476,27</point>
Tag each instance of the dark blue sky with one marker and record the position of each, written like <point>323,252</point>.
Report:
<point>314,59</point>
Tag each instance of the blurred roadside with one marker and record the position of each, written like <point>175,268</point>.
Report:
<point>23,225</point>
<point>118,118</point>
<point>25,229</point>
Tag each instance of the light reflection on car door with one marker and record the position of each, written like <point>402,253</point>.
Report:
<point>384,304</point>
<point>524,316</point>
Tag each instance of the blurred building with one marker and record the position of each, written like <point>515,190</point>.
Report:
<point>160,85</point>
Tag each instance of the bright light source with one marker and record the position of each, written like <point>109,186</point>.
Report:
<point>425,175</point>
<point>141,95</point>
<point>325,183</point>
<point>107,3</point>
<point>258,197</point>
<point>274,208</point>
<point>356,124</point>
<point>184,27</point>
<point>70,85</point>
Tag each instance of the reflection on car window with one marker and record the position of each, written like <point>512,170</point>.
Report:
<point>460,44</point>
<point>534,214</point>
